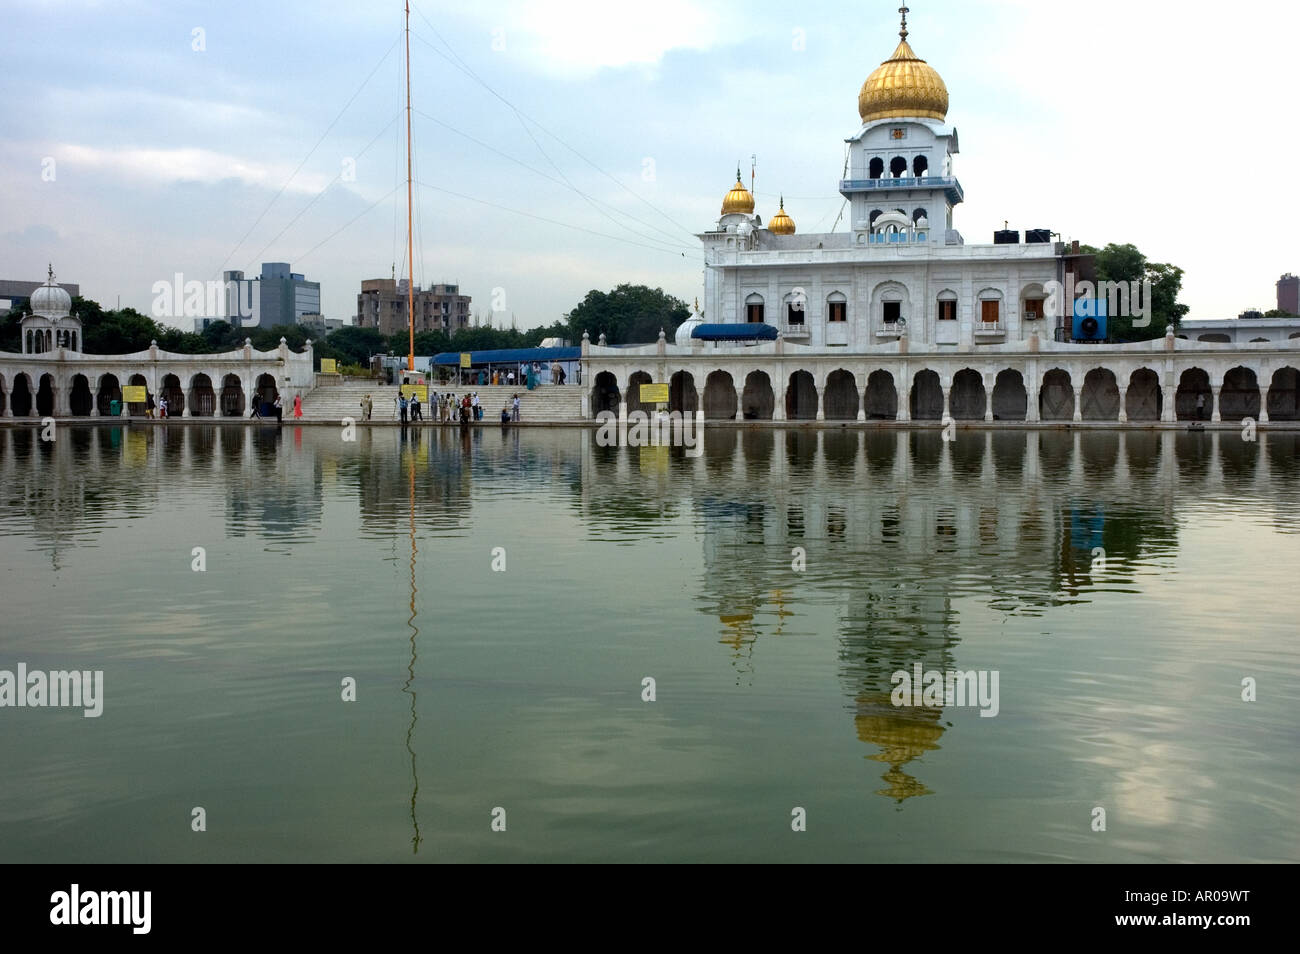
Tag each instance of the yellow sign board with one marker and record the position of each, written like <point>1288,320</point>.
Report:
<point>654,394</point>
<point>464,359</point>
<point>133,393</point>
<point>329,366</point>
<point>421,390</point>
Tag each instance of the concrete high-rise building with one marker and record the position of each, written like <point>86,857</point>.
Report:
<point>1288,294</point>
<point>382,304</point>
<point>277,296</point>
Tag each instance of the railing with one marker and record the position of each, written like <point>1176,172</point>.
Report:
<point>948,183</point>
<point>799,330</point>
<point>990,328</point>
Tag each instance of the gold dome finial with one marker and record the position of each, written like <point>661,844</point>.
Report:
<point>781,224</point>
<point>903,85</point>
<point>738,199</point>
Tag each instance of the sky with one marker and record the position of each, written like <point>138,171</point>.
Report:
<point>567,146</point>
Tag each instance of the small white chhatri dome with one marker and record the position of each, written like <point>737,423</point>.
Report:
<point>51,325</point>
<point>682,335</point>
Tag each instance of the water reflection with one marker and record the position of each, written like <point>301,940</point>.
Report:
<point>898,537</point>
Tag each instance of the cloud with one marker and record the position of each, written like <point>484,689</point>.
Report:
<point>166,166</point>
<point>577,38</point>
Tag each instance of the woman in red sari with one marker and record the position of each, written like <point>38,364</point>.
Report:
<point>297,406</point>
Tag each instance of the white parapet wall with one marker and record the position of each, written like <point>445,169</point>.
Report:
<point>1163,380</point>
<point>208,384</point>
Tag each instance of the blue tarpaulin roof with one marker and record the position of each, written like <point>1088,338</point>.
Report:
<point>750,331</point>
<point>509,356</point>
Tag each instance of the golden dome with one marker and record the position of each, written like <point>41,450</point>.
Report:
<point>781,224</point>
<point>738,199</point>
<point>903,85</point>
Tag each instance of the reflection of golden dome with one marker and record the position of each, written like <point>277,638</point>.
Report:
<point>902,735</point>
<point>781,224</point>
<point>738,199</point>
<point>903,85</point>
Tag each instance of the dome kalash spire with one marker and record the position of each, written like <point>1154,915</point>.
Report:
<point>903,85</point>
<point>738,199</point>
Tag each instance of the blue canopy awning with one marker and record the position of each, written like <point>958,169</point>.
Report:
<point>750,331</point>
<point>507,356</point>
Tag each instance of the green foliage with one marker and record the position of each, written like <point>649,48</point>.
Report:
<point>1279,313</point>
<point>629,314</point>
<point>1126,263</point>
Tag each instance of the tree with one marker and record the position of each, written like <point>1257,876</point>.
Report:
<point>1126,263</point>
<point>628,314</point>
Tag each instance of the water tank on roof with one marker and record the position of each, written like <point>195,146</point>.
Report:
<point>1038,236</point>
<point>1006,237</point>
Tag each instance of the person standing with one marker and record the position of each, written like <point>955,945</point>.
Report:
<point>1200,406</point>
<point>279,409</point>
<point>415,408</point>
<point>366,406</point>
<point>257,406</point>
<point>297,407</point>
<point>148,404</point>
<point>162,407</point>
<point>401,407</point>
<point>514,409</point>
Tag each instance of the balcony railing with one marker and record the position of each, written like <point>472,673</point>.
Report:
<point>799,330</point>
<point>990,328</point>
<point>952,188</point>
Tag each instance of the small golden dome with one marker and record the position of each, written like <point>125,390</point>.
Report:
<point>738,199</point>
<point>903,85</point>
<point>781,224</point>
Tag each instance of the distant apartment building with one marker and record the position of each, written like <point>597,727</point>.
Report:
<point>319,324</point>
<point>277,296</point>
<point>382,304</point>
<point>1288,294</point>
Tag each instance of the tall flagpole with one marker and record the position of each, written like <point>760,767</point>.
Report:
<point>410,239</point>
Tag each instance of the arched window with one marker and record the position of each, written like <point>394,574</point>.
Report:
<point>898,167</point>
<point>947,305</point>
<point>918,215</point>
<point>877,167</point>
<point>754,309</point>
<point>871,219</point>
<point>796,307</point>
<point>990,310</point>
<point>837,307</point>
<point>920,165</point>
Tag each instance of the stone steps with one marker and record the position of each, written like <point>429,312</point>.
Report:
<point>545,404</point>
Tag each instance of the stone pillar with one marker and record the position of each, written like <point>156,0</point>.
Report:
<point>778,406</point>
<point>988,399</point>
<point>9,400</point>
<point>1214,415</point>
<point>740,404</point>
<point>1263,405</point>
<point>821,408</point>
<point>1123,404</point>
<point>1167,400</point>
<point>947,392</point>
<point>1078,403</point>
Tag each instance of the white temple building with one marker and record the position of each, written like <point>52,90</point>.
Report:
<point>896,318</point>
<point>901,266</point>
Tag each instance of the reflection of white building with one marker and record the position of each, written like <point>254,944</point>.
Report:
<point>900,264</point>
